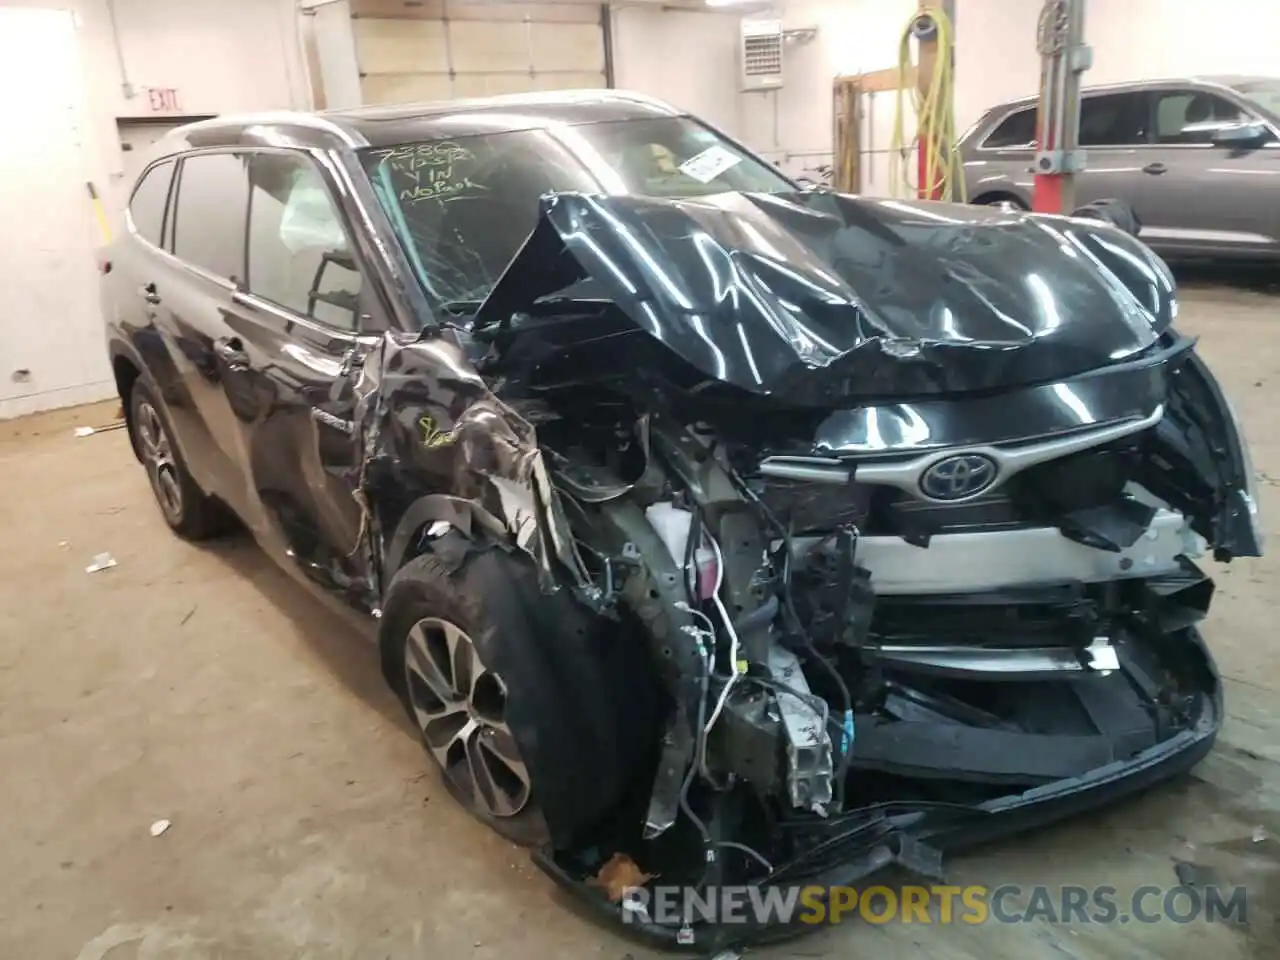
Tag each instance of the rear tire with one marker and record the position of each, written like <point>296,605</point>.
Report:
<point>442,627</point>
<point>186,508</point>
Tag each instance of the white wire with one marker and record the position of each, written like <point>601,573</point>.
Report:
<point>733,640</point>
<point>705,649</point>
<point>710,627</point>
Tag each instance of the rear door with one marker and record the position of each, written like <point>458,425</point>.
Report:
<point>1203,197</point>
<point>297,329</point>
<point>1114,132</point>
<point>1000,165</point>
<point>186,293</point>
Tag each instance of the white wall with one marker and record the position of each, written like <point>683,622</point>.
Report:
<point>687,57</point>
<point>793,126</point>
<point>46,248</point>
<point>335,51</point>
<point>219,56</point>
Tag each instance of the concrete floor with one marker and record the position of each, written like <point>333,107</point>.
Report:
<point>202,686</point>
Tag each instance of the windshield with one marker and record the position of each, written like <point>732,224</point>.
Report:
<point>1263,93</point>
<point>463,206</point>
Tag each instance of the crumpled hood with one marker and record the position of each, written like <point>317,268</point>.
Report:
<point>816,297</point>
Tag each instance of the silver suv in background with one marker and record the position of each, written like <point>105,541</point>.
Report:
<point>1197,159</point>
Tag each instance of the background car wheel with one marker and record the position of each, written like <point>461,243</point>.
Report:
<point>441,631</point>
<point>998,199</point>
<point>184,506</point>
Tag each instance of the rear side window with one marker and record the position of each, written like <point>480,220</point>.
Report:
<point>1114,120</point>
<point>1016,130</point>
<point>147,206</point>
<point>212,203</point>
<point>299,254</point>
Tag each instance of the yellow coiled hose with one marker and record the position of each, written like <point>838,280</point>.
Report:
<point>935,111</point>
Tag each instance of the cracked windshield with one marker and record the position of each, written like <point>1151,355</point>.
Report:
<point>464,206</point>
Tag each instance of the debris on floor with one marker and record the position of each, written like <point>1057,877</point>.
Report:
<point>1195,875</point>
<point>618,875</point>
<point>90,431</point>
<point>101,561</point>
<point>159,827</point>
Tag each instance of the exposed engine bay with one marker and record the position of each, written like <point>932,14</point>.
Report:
<point>874,625</point>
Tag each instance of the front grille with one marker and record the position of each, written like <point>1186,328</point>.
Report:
<point>1038,496</point>
<point>900,512</point>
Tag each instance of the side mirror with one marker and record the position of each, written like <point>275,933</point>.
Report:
<point>1239,134</point>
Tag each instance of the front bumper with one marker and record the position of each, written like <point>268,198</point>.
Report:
<point>915,841</point>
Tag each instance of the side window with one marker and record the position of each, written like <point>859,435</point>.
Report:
<point>1189,116</point>
<point>1114,120</point>
<point>299,256</point>
<point>149,201</point>
<point>1016,130</point>
<point>208,231</point>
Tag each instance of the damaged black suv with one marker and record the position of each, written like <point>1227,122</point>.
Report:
<point>708,526</point>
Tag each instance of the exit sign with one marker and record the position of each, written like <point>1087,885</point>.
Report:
<point>162,99</point>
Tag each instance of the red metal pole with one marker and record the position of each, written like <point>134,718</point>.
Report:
<point>1049,193</point>
<point>924,189</point>
<point>1063,57</point>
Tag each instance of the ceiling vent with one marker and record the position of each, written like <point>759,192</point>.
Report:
<point>761,54</point>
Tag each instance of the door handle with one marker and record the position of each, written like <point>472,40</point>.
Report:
<point>149,293</point>
<point>1155,168</point>
<point>231,352</point>
<point>353,358</point>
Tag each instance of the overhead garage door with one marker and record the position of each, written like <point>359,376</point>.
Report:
<point>444,49</point>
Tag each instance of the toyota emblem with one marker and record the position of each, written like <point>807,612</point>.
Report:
<point>959,477</point>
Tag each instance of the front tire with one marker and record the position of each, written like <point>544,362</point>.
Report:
<point>443,628</point>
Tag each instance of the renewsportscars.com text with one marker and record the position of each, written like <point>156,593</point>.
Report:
<point>937,904</point>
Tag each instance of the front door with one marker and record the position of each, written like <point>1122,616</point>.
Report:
<point>294,341</point>
<point>1206,197</point>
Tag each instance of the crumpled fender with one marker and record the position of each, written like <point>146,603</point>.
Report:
<point>437,444</point>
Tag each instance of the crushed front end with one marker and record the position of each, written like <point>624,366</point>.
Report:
<point>874,656</point>
<point>902,592</point>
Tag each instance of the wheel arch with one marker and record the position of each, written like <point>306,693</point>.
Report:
<point>126,371</point>
<point>410,539</point>
<point>587,725</point>
<point>989,198</point>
